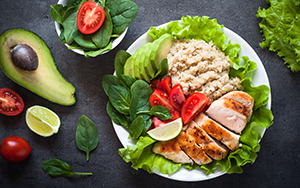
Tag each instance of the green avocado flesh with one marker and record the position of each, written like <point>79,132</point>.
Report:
<point>145,61</point>
<point>46,81</point>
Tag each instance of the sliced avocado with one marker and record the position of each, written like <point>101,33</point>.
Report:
<point>150,71</point>
<point>136,64</point>
<point>142,68</point>
<point>127,67</point>
<point>46,81</point>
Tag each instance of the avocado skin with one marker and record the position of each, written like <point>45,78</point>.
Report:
<point>46,81</point>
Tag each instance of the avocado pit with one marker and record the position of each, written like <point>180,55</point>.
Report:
<point>24,57</point>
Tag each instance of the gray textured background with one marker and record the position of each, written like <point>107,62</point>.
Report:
<point>277,164</point>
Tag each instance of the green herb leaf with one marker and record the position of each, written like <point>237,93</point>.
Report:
<point>120,61</point>
<point>116,116</point>
<point>70,27</point>
<point>56,13</point>
<point>161,112</point>
<point>136,128</point>
<point>120,98</point>
<point>107,81</point>
<point>58,168</point>
<point>122,13</point>
<point>87,137</point>
<point>126,81</point>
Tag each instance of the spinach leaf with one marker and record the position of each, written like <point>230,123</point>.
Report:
<point>56,13</point>
<point>163,68</point>
<point>87,137</point>
<point>98,52</point>
<point>107,81</point>
<point>120,60</point>
<point>58,168</point>
<point>70,27</point>
<point>126,81</point>
<point>85,41</point>
<point>116,116</point>
<point>136,128</point>
<point>122,13</point>
<point>73,3</point>
<point>147,126</point>
<point>120,98</point>
<point>68,12</point>
<point>161,112</point>
<point>102,37</point>
<point>140,94</point>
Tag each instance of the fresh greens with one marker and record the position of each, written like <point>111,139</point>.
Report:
<point>129,105</point>
<point>119,14</point>
<point>280,26</point>
<point>58,168</point>
<point>141,156</point>
<point>87,137</point>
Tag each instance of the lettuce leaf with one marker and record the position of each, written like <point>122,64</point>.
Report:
<point>280,26</point>
<point>141,156</point>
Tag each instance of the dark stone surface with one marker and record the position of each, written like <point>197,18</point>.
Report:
<point>277,164</point>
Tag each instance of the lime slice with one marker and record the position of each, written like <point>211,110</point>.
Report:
<point>167,131</point>
<point>42,121</point>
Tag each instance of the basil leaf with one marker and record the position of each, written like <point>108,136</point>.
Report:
<point>102,37</point>
<point>58,168</point>
<point>126,81</point>
<point>136,128</point>
<point>116,116</point>
<point>161,112</point>
<point>120,60</point>
<point>119,97</point>
<point>140,94</point>
<point>87,137</point>
<point>122,13</point>
<point>107,81</point>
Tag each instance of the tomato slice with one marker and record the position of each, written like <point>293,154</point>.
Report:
<point>165,85</point>
<point>160,98</point>
<point>194,105</point>
<point>177,97</point>
<point>154,83</point>
<point>11,104</point>
<point>90,17</point>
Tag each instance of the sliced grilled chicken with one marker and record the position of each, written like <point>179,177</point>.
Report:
<point>229,113</point>
<point>171,150</point>
<point>188,145</point>
<point>243,98</point>
<point>217,131</point>
<point>208,144</point>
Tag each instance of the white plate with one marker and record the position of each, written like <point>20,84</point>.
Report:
<point>260,78</point>
<point>80,51</point>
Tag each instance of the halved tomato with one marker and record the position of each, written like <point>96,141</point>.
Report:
<point>177,97</point>
<point>194,105</point>
<point>160,98</point>
<point>165,85</point>
<point>11,103</point>
<point>90,17</point>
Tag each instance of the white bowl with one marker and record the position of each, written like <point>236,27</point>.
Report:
<point>115,42</point>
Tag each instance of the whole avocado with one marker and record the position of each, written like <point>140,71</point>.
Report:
<point>26,59</point>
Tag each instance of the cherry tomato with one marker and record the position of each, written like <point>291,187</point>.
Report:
<point>11,104</point>
<point>15,149</point>
<point>90,17</point>
<point>165,85</point>
<point>159,98</point>
<point>177,97</point>
<point>194,105</point>
<point>154,83</point>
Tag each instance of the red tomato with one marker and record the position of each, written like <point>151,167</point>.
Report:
<point>193,106</point>
<point>11,104</point>
<point>90,17</point>
<point>165,85</point>
<point>207,106</point>
<point>154,83</point>
<point>157,122</point>
<point>177,97</point>
<point>159,98</point>
<point>15,149</point>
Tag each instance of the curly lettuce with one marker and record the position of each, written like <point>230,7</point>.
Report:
<point>203,28</point>
<point>280,26</point>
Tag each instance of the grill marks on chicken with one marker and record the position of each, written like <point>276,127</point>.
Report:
<point>210,136</point>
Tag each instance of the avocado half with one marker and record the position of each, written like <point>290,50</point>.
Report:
<point>46,81</point>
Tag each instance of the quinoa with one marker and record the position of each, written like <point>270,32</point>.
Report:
<point>201,67</point>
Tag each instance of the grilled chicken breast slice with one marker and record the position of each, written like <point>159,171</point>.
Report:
<point>217,131</point>
<point>208,144</point>
<point>188,145</point>
<point>243,98</point>
<point>229,113</point>
<point>170,149</point>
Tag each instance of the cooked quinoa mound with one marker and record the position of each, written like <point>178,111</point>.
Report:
<point>201,67</point>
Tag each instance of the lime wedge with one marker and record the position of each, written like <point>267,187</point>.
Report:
<point>167,131</point>
<point>42,121</point>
